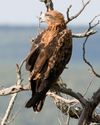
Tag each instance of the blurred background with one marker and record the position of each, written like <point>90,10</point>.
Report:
<point>18,25</point>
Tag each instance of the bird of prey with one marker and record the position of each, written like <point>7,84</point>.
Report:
<point>49,54</point>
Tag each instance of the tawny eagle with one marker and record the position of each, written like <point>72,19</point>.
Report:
<point>49,54</point>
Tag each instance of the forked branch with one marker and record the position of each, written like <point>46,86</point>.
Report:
<point>62,103</point>
<point>6,117</point>
<point>84,44</point>
<point>77,14</point>
<point>90,31</point>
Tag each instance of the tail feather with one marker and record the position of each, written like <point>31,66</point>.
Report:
<point>38,107</point>
<point>29,104</point>
<point>36,102</point>
<point>39,89</point>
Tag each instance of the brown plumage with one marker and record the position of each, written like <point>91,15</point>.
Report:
<point>49,54</point>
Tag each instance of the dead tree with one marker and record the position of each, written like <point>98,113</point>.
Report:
<point>85,112</point>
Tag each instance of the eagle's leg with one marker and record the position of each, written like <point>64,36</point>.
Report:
<point>36,101</point>
<point>39,90</point>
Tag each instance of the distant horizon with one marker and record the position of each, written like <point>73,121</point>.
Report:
<point>36,25</point>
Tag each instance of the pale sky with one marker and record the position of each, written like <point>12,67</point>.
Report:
<point>25,12</point>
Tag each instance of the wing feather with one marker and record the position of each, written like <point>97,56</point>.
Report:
<point>34,52</point>
<point>43,57</point>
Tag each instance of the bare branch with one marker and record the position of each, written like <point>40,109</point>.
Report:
<point>68,18</point>
<point>62,103</point>
<point>88,87</point>
<point>67,101</point>
<point>75,111</point>
<point>14,115</point>
<point>90,31</point>
<point>20,67</point>
<point>78,96</point>
<point>75,16</point>
<point>87,113</point>
<point>84,51</point>
<point>90,24</point>
<point>84,34</point>
<point>14,89</point>
<point>9,109</point>
<point>88,110</point>
<point>13,98</point>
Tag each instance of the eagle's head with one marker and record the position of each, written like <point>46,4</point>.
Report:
<point>52,18</point>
